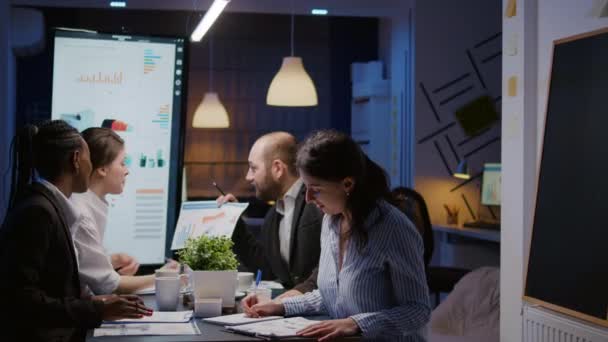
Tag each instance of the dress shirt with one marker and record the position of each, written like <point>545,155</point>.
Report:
<point>95,269</point>
<point>381,286</point>
<point>285,207</point>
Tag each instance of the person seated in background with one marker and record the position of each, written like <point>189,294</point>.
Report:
<point>108,176</point>
<point>40,289</point>
<point>371,272</point>
<point>289,247</point>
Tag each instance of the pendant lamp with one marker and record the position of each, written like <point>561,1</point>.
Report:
<point>292,86</point>
<point>210,113</point>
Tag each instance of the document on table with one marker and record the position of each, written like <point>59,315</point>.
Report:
<point>238,319</point>
<point>205,218</point>
<point>134,329</point>
<point>278,328</point>
<point>158,317</point>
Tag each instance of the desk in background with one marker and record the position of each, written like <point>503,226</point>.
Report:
<point>472,233</point>
<point>463,247</point>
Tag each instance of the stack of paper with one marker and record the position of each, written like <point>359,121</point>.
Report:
<point>277,328</point>
<point>160,323</point>
<point>133,329</point>
<point>159,317</point>
<point>238,319</point>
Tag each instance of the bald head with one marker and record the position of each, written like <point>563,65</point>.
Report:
<point>278,145</point>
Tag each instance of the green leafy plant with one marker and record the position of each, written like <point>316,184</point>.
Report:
<point>208,253</point>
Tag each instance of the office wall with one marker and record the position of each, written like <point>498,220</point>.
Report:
<point>397,51</point>
<point>533,29</point>
<point>7,101</point>
<point>457,59</point>
<point>247,53</point>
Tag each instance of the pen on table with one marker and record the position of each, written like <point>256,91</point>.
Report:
<point>219,189</point>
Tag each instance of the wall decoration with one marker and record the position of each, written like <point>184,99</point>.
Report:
<point>477,115</point>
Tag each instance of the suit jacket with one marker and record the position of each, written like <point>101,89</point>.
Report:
<point>265,254</point>
<point>40,289</point>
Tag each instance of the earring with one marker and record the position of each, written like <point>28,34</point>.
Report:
<point>347,193</point>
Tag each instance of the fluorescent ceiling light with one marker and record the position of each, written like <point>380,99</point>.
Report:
<point>118,4</point>
<point>318,11</point>
<point>210,16</point>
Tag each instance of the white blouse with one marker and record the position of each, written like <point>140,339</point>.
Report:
<point>94,266</point>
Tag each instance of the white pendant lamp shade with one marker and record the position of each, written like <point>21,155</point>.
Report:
<point>291,86</point>
<point>210,113</point>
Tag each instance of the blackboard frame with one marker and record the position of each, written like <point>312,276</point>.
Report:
<point>526,297</point>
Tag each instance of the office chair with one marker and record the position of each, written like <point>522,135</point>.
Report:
<point>440,279</point>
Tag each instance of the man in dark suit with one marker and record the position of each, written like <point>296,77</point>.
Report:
<point>290,236</point>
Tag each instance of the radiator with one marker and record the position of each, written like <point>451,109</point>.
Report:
<point>542,325</point>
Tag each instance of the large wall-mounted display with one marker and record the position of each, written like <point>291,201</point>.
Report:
<point>132,85</point>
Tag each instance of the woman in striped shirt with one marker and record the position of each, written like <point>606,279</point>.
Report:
<point>371,272</point>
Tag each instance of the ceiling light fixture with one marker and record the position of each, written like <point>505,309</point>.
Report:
<point>208,19</point>
<point>210,113</point>
<point>292,86</point>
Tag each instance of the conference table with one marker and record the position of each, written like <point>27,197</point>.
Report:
<point>209,332</point>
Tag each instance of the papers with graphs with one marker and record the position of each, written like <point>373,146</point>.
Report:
<point>205,218</point>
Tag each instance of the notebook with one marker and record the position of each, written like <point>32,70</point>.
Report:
<point>238,319</point>
<point>277,328</point>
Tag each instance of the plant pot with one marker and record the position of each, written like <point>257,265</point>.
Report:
<point>215,284</point>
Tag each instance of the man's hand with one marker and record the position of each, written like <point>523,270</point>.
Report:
<point>328,330</point>
<point>170,265</point>
<point>287,294</point>
<point>252,308</point>
<point>226,198</point>
<point>124,264</point>
<point>124,306</point>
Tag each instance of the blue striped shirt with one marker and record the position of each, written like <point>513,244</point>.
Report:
<point>382,286</point>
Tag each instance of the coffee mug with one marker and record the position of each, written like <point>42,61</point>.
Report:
<point>244,280</point>
<point>167,293</point>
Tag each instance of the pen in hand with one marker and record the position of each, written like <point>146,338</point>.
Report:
<point>218,188</point>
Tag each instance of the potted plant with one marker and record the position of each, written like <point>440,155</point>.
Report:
<point>213,267</point>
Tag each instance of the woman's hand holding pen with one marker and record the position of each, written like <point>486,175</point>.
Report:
<point>122,306</point>
<point>252,308</point>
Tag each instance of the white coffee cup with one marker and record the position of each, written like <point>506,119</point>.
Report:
<point>167,293</point>
<point>244,280</point>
